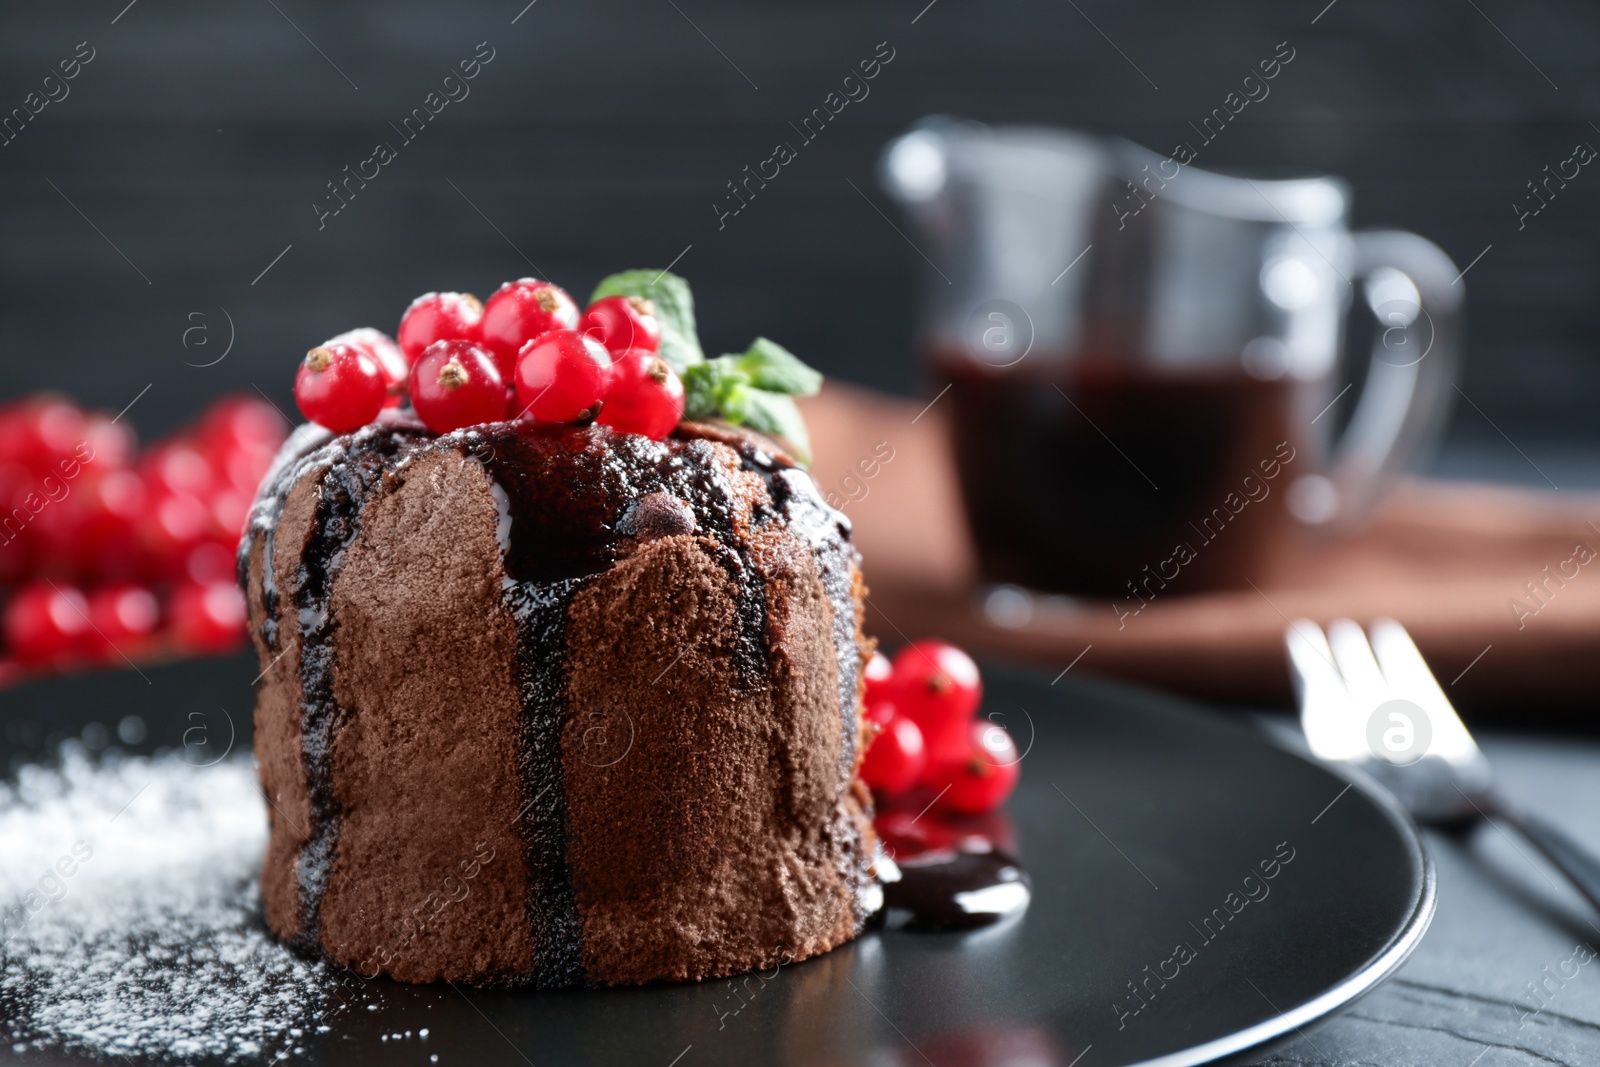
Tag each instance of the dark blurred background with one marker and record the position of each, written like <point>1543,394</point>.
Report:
<point>189,152</point>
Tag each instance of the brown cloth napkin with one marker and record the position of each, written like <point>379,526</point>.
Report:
<point>1447,559</point>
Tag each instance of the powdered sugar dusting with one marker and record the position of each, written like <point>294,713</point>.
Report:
<point>129,916</point>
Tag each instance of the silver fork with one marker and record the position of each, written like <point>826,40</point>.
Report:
<point>1376,705</point>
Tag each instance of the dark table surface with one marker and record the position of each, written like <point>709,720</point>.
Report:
<point>1507,924</point>
<point>1505,976</point>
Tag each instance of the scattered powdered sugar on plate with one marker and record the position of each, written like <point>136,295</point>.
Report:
<point>129,915</point>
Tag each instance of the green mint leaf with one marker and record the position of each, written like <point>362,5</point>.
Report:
<point>734,400</point>
<point>699,392</point>
<point>775,369</point>
<point>674,304</point>
<point>708,387</point>
<point>776,415</point>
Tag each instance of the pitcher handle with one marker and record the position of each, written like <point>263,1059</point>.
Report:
<point>1414,291</point>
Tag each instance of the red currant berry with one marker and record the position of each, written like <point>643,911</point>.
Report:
<point>173,524</point>
<point>340,387</point>
<point>106,444</point>
<point>878,696</point>
<point>60,426</point>
<point>57,534</point>
<point>17,553</point>
<point>520,311</point>
<point>981,779</point>
<point>646,395</point>
<point>12,447</point>
<point>43,430</point>
<point>562,376</point>
<point>879,677</point>
<point>45,623</point>
<point>207,618</point>
<point>621,323</point>
<point>939,688</point>
<point>241,435</point>
<point>378,345</point>
<point>229,509</point>
<point>125,618</point>
<point>242,424</point>
<point>456,384</point>
<point>895,759</point>
<point>177,467</point>
<point>438,317</point>
<point>210,561</point>
<point>244,469</point>
<point>111,508</point>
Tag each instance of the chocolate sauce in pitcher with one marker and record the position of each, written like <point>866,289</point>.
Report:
<point>1106,477</point>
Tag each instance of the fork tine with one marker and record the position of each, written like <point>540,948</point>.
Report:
<point>1408,674</point>
<point>1321,692</point>
<point>1356,662</point>
<point>1310,656</point>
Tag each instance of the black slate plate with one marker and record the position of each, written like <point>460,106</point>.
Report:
<point>1137,815</point>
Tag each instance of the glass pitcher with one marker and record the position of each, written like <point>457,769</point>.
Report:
<point>1140,361</point>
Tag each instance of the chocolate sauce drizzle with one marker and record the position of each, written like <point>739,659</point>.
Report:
<point>300,452</point>
<point>541,613</point>
<point>345,489</point>
<point>569,497</point>
<point>805,513</point>
<point>346,486</point>
<point>956,890</point>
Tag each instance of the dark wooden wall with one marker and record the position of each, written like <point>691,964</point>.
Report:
<point>599,136</point>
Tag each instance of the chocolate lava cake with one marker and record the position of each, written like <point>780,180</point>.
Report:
<point>556,705</point>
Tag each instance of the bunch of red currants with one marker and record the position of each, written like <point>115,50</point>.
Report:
<point>108,555</point>
<point>528,352</point>
<point>923,704</point>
